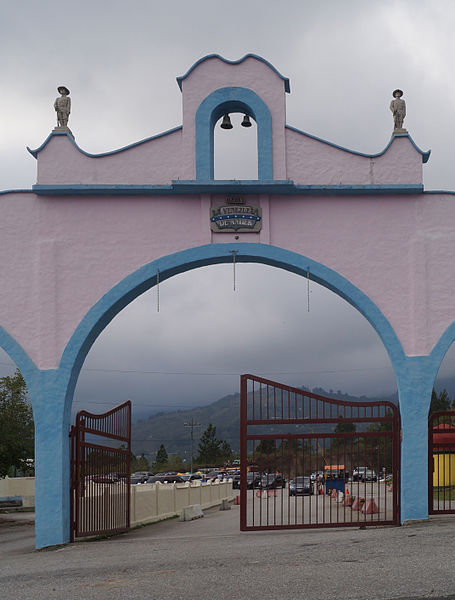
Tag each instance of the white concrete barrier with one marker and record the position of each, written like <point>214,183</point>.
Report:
<point>150,502</point>
<point>19,487</point>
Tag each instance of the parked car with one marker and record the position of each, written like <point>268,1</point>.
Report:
<point>301,486</point>
<point>191,477</point>
<point>364,474</point>
<point>165,479</point>
<point>103,478</point>
<point>252,480</point>
<point>272,481</point>
<point>236,482</point>
<point>139,477</point>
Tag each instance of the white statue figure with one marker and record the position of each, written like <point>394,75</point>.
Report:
<point>62,106</point>
<point>398,108</point>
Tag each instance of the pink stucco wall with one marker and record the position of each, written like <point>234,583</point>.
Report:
<point>61,254</point>
<point>156,161</point>
<point>311,161</point>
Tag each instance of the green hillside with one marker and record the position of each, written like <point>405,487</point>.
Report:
<point>224,414</point>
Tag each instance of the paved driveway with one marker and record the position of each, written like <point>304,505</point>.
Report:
<point>210,559</point>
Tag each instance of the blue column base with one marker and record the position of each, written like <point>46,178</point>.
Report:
<point>415,383</point>
<point>52,459</point>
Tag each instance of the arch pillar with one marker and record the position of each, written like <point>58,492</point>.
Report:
<point>51,413</point>
<point>415,380</point>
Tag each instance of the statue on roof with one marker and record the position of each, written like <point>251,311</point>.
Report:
<point>398,108</point>
<point>62,106</point>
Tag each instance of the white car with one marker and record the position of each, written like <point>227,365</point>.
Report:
<point>364,474</point>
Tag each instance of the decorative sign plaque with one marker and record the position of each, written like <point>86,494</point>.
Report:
<point>236,218</point>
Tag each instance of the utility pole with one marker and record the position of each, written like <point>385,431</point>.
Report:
<point>193,424</point>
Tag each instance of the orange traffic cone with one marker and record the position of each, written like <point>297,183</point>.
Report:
<point>370,507</point>
<point>348,500</point>
<point>237,500</point>
<point>358,503</point>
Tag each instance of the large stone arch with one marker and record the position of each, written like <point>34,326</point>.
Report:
<point>57,386</point>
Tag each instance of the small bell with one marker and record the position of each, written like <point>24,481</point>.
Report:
<point>246,121</point>
<point>226,124</point>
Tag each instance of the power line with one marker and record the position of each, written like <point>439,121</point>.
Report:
<point>221,373</point>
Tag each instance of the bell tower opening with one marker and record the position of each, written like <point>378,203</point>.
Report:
<point>235,147</point>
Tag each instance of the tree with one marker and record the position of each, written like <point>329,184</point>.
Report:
<point>439,402</point>
<point>16,424</point>
<point>339,444</point>
<point>139,463</point>
<point>345,427</point>
<point>266,446</point>
<point>226,451</point>
<point>160,459</point>
<point>209,447</point>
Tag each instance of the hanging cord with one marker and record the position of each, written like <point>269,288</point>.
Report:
<point>157,290</point>
<point>308,288</point>
<point>234,253</point>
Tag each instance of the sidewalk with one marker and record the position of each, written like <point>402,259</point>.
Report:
<point>211,559</point>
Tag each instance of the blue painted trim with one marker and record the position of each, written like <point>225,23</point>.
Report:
<point>450,193</point>
<point>17,354</point>
<point>103,154</point>
<point>276,187</point>
<point>287,87</point>
<point>425,155</point>
<point>2,192</point>
<point>101,189</point>
<point>214,106</point>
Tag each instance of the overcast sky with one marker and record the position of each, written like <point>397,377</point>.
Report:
<point>120,61</point>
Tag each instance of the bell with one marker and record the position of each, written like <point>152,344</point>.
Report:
<point>226,124</point>
<point>246,121</point>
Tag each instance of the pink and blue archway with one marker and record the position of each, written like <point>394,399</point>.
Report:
<point>52,390</point>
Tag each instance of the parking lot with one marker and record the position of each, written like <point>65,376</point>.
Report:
<point>276,507</point>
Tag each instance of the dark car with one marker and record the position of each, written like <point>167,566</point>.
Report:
<point>192,477</point>
<point>139,477</point>
<point>166,479</point>
<point>103,478</point>
<point>252,480</point>
<point>301,486</point>
<point>272,481</point>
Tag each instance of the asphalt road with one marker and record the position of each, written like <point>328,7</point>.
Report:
<point>210,558</point>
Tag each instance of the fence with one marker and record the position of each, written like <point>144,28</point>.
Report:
<point>150,502</point>
<point>156,501</point>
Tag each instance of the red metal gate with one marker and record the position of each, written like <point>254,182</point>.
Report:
<point>441,462</point>
<point>312,461</point>
<point>100,472</point>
